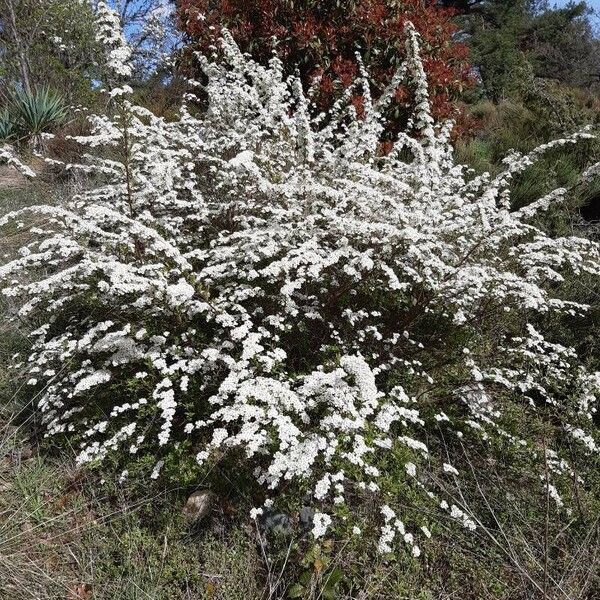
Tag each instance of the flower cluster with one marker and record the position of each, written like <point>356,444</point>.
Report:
<point>110,37</point>
<point>262,279</point>
<point>7,156</point>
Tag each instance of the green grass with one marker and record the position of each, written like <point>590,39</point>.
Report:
<point>61,532</point>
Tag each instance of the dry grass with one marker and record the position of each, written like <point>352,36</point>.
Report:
<point>64,536</point>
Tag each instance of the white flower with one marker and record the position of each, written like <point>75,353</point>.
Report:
<point>411,469</point>
<point>156,470</point>
<point>448,468</point>
<point>321,522</point>
<point>180,292</point>
<point>255,513</point>
<point>110,35</point>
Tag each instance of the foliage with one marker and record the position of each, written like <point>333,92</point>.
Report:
<point>264,288</point>
<point>321,40</point>
<point>561,45</point>
<point>512,39</point>
<point>540,111</point>
<point>48,43</point>
<point>495,45</point>
<point>36,113</point>
<point>8,129</point>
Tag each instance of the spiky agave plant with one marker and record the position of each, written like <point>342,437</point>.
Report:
<point>8,127</point>
<point>37,112</point>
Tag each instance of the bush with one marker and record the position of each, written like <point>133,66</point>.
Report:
<point>38,112</point>
<point>267,291</point>
<point>542,112</point>
<point>321,39</point>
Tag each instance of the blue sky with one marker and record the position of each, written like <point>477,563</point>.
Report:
<point>593,3</point>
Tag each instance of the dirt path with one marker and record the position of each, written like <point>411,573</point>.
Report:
<point>10,178</point>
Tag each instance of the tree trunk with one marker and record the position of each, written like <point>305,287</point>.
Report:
<point>20,47</point>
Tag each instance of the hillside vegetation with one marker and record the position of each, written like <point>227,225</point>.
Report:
<point>273,326</point>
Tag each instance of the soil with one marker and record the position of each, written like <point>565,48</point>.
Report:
<point>10,178</point>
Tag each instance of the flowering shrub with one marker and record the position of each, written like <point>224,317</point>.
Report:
<point>322,38</point>
<point>262,280</point>
<point>110,37</point>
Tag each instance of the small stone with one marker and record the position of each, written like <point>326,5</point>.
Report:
<point>199,505</point>
<point>306,516</point>
<point>275,522</point>
<point>26,452</point>
<point>26,527</point>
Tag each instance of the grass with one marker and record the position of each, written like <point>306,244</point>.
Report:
<point>62,535</point>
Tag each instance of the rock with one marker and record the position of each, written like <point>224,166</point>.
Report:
<point>26,452</point>
<point>306,516</point>
<point>198,505</point>
<point>275,522</point>
<point>27,527</point>
<point>5,486</point>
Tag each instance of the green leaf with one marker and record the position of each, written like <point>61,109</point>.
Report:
<point>334,577</point>
<point>296,591</point>
<point>306,577</point>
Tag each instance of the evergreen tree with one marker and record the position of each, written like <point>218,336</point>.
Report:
<point>515,40</point>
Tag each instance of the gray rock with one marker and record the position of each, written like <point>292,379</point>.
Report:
<point>275,522</point>
<point>306,516</point>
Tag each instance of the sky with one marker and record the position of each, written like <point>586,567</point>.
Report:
<point>595,4</point>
